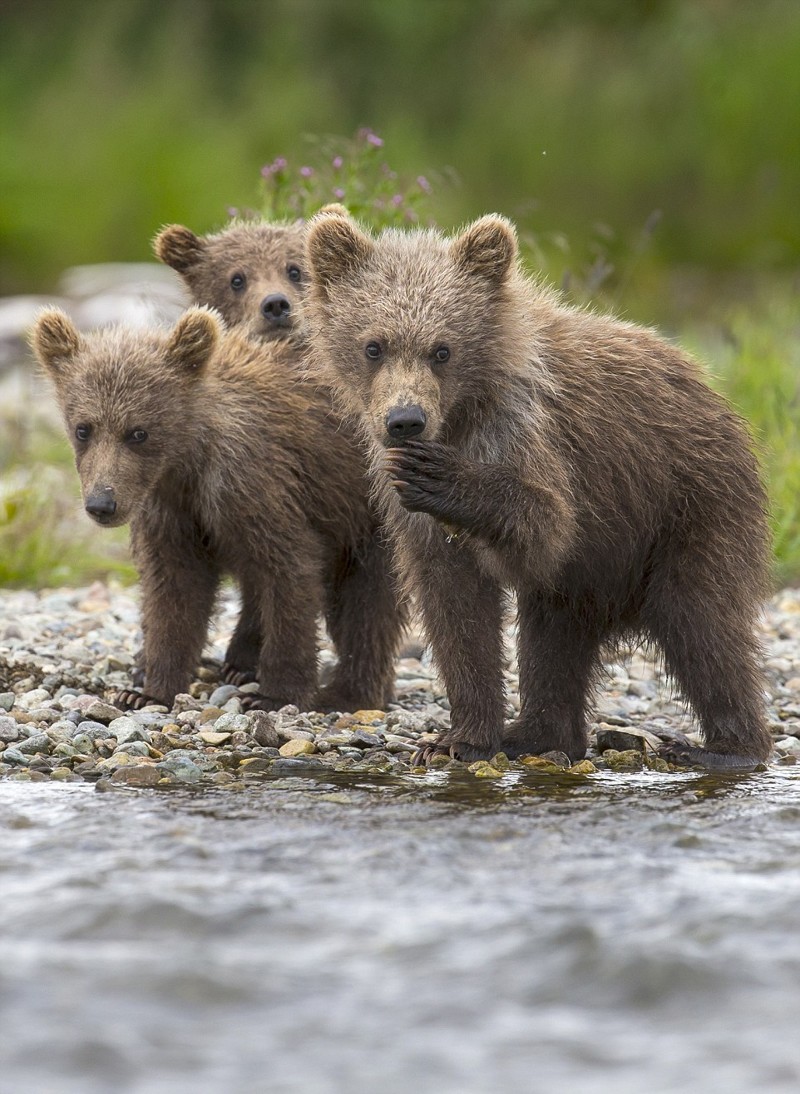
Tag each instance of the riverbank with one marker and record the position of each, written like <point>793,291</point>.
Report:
<point>65,653</point>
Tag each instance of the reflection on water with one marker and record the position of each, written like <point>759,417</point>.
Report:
<point>621,933</point>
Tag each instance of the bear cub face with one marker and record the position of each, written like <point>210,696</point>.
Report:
<point>252,273</point>
<point>408,325</point>
<point>124,396</point>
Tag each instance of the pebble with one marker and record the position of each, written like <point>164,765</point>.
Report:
<point>63,655</point>
<point>9,730</point>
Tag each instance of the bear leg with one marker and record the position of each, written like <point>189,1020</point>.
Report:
<point>705,627</point>
<point>365,615</point>
<point>558,659</point>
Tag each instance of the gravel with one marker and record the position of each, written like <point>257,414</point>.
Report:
<point>64,654</point>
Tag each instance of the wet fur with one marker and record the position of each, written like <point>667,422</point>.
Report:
<point>579,460</point>
<point>245,471</point>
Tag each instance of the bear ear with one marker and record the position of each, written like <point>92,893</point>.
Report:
<point>333,209</point>
<point>194,339</point>
<point>178,247</point>
<point>488,247</point>
<point>336,248</point>
<point>55,340</point>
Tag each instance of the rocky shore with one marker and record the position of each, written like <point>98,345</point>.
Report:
<point>64,654</point>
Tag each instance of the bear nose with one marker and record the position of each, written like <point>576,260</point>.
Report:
<point>403,422</point>
<point>101,504</point>
<point>275,308</point>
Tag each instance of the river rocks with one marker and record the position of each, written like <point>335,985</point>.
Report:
<point>9,729</point>
<point>65,654</point>
<point>297,747</point>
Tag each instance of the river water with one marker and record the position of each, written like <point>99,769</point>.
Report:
<point>442,934</point>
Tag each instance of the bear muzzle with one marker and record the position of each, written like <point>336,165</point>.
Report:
<point>404,422</point>
<point>101,505</point>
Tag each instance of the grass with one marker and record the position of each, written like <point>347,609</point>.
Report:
<point>754,358</point>
<point>46,541</point>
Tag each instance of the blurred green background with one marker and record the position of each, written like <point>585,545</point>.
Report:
<point>649,150</point>
<point>579,119</point>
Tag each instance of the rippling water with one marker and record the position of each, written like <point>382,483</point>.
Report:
<point>623,933</point>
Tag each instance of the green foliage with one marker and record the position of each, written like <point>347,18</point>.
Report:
<point>45,538</point>
<point>755,361</point>
<point>577,120</point>
<point>353,172</point>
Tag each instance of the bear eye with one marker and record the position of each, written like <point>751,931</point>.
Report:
<point>238,282</point>
<point>137,436</point>
<point>441,354</point>
<point>373,350</point>
<point>83,432</point>
<point>294,273</point>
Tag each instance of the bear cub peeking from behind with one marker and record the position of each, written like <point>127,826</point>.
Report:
<point>252,272</point>
<point>221,462</point>
<point>519,443</point>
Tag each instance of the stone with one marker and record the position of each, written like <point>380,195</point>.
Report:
<point>624,739</point>
<point>222,694</point>
<point>9,730</point>
<point>127,728</point>
<point>262,727</point>
<point>7,700</point>
<point>255,765</point>
<point>209,714</point>
<point>231,722</point>
<point>95,731</point>
<point>13,755</point>
<point>368,717</point>
<point>143,775</point>
<point>181,768</point>
<point>541,765</point>
<point>583,767</point>
<point>482,769</point>
<point>297,747</point>
<point>212,738</point>
<point>362,738</point>
<point>39,742</point>
<point>98,711</point>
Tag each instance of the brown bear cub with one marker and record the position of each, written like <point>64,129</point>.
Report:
<point>579,460</point>
<point>252,273</point>
<point>221,462</point>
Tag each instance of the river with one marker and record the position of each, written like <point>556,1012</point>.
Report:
<point>434,935</point>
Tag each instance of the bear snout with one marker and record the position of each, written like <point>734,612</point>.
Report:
<point>101,505</point>
<point>405,422</point>
<point>276,309</point>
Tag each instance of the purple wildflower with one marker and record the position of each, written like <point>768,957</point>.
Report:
<point>397,199</point>
<point>423,184</point>
<point>306,172</point>
<point>338,193</point>
<point>337,162</point>
<point>278,164</point>
<point>370,137</point>
<point>232,211</point>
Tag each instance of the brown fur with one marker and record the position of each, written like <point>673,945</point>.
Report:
<point>223,462</point>
<point>579,460</point>
<point>268,256</point>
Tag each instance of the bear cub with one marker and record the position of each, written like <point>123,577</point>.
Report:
<point>203,441</point>
<point>252,272</point>
<point>520,443</point>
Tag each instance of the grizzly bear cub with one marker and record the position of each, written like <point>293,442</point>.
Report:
<point>581,461</point>
<point>252,273</point>
<point>221,462</point>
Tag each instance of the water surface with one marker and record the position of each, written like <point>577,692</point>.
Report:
<point>622,933</point>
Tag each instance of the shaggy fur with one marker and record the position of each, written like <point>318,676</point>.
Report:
<point>579,460</point>
<point>223,462</point>
<point>240,269</point>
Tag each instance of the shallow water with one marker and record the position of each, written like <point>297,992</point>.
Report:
<point>622,933</point>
